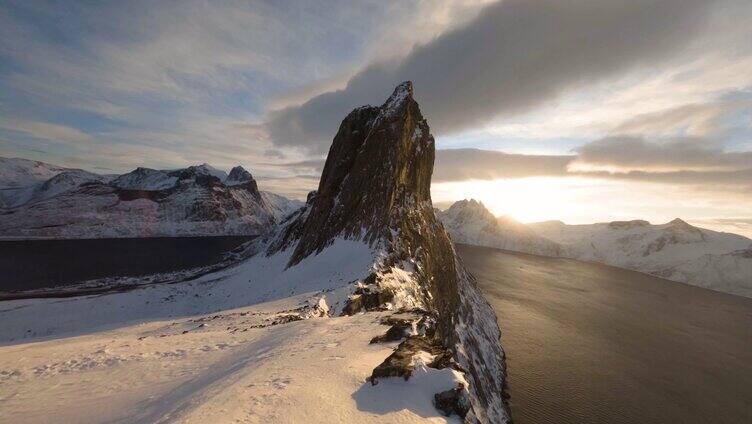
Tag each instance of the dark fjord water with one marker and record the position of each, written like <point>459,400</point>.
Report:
<point>34,264</point>
<point>588,343</point>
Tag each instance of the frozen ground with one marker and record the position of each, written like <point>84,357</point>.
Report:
<point>215,368</point>
<point>251,344</point>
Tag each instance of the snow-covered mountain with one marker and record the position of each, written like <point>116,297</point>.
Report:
<point>355,308</point>
<point>676,250</point>
<point>60,183</point>
<point>198,200</point>
<point>468,221</point>
<point>17,172</point>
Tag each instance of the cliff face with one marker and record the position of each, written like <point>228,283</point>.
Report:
<point>380,161</point>
<point>375,187</point>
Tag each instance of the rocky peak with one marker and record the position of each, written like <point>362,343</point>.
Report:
<point>380,162</point>
<point>241,178</point>
<point>678,222</point>
<point>204,171</point>
<point>238,175</point>
<point>472,209</point>
<point>375,187</point>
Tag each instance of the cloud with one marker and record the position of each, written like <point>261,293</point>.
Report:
<point>45,130</point>
<point>680,162</point>
<point>629,153</point>
<point>310,166</point>
<point>295,187</point>
<point>741,226</point>
<point>515,55</point>
<point>191,79</point>
<point>701,119</point>
<point>476,164</point>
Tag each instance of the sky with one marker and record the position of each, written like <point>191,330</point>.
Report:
<point>577,110</point>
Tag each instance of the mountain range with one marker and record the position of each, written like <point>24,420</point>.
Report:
<point>676,250</point>
<point>39,200</point>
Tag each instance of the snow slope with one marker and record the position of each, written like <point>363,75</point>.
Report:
<point>17,172</point>
<point>280,206</point>
<point>676,250</point>
<point>196,352</point>
<point>226,367</point>
<point>23,181</point>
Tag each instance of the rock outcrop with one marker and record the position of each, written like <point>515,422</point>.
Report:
<point>375,187</point>
<point>238,175</point>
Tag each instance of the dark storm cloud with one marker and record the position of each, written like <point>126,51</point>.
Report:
<point>741,179</point>
<point>678,154</point>
<point>671,164</point>
<point>310,166</point>
<point>515,55</point>
<point>476,164</point>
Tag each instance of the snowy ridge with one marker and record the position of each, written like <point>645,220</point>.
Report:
<point>676,250</point>
<point>281,206</point>
<point>17,172</point>
<point>238,175</point>
<point>145,179</point>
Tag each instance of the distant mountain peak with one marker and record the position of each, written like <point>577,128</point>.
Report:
<point>238,175</point>
<point>470,209</point>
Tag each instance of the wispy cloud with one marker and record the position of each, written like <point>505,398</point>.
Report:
<point>45,130</point>
<point>190,78</point>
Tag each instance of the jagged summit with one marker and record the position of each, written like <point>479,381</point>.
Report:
<point>466,211</point>
<point>375,188</point>
<point>238,175</point>
<point>678,222</point>
<point>472,206</point>
<point>380,160</point>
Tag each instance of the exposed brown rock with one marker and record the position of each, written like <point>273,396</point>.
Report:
<point>400,363</point>
<point>453,401</point>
